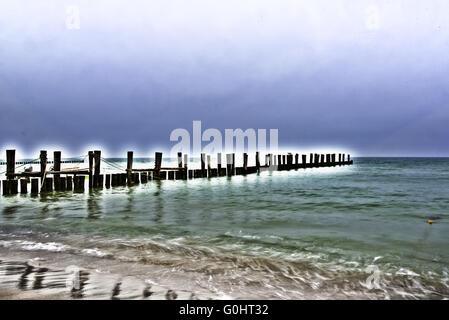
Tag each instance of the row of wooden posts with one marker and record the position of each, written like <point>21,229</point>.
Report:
<point>74,179</point>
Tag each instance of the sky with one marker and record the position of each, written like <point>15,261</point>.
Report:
<point>371,77</point>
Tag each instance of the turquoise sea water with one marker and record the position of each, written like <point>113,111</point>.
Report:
<point>356,231</point>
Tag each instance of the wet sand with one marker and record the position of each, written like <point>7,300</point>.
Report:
<point>55,276</point>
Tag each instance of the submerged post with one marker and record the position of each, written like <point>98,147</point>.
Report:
<point>157,165</point>
<point>219,162</point>
<point>98,182</point>
<point>129,167</point>
<point>203,164</point>
<point>91,165</point>
<point>257,161</point>
<point>10,163</point>
<point>57,167</point>
<point>208,165</point>
<point>245,162</point>
<point>43,160</point>
<point>34,186</point>
<point>229,164</point>
<point>23,186</point>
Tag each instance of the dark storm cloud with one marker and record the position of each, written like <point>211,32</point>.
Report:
<point>371,77</point>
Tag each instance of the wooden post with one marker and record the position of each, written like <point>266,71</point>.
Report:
<point>57,167</point>
<point>5,187</point>
<point>186,161</point>
<point>157,165</point>
<point>233,164</point>
<point>13,186</point>
<point>23,186</point>
<point>56,162</point>
<point>98,183</point>
<point>180,160</point>
<point>48,185</point>
<point>91,165</point>
<point>322,159</point>
<point>144,177</point>
<point>279,161</point>
<point>69,185</point>
<point>34,186</point>
<point>62,183</point>
<point>203,164</point>
<point>245,162</point>
<point>297,160</point>
<point>114,180</point>
<point>171,175</point>
<point>219,162</point>
<point>333,159</point>
<point>304,160</point>
<point>79,183</point>
<point>108,181</point>
<point>311,158</point>
<point>343,158</point>
<point>349,158</point>
<point>229,164</point>
<point>10,163</point>
<point>339,157</point>
<point>129,167</point>
<point>208,165</point>
<point>257,161</point>
<point>43,160</point>
<point>317,159</point>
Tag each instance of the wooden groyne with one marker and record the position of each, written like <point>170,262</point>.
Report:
<point>73,179</point>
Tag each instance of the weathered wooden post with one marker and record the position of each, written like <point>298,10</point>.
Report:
<point>296,160</point>
<point>339,158</point>
<point>349,158</point>
<point>311,158</point>
<point>219,162</point>
<point>304,160</point>
<point>317,159</point>
<point>203,165</point>
<point>98,182</point>
<point>69,185</point>
<point>23,186</point>
<point>186,161</point>
<point>343,158</point>
<point>279,161</point>
<point>171,175</point>
<point>57,167</point>
<point>62,183</point>
<point>43,161</point>
<point>107,182</point>
<point>333,159</point>
<point>322,160</point>
<point>229,164</point>
<point>180,160</point>
<point>13,186</point>
<point>48,184</point>
<point>257,161</point>
<point>10,164</point>
<point>157,165</point>
<point>245,162</point>
<point>328,158</point>
<point>5,187</point>
<point>34,186</point>
<point>208,166</point>
<point>91,165</point>
<point>233,164</point>
<point>129,167</point>
<point>79,183</point>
